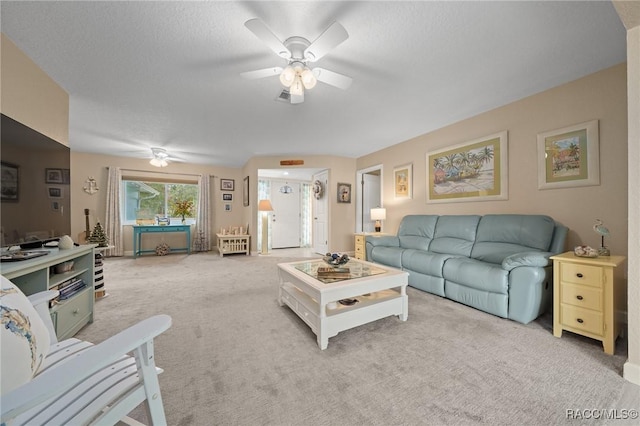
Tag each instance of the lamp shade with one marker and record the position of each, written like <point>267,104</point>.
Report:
<point>159,162</point>
<point>378,214</point>
<point>308,79</point>
<point>287,76</point>
<point>265,206</point>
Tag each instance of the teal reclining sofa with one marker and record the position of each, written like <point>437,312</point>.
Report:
<point>496,263</point>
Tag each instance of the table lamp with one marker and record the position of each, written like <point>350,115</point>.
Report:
<point>378,214</point>
<point>265,207</point>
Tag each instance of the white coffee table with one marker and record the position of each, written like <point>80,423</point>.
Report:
<point>380,292</point>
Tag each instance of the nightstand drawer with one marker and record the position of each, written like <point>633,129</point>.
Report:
<point>582,274</point>
<point>359,249</point>
<point>582,319</point>
<point>582,296</point>
<point>359,239</point>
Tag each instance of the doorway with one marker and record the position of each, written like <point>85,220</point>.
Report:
<point>368,196</point>
<point>290,225</point>
<point>285,219</point>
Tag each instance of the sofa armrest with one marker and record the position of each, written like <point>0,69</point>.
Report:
<point>538,259</point>
<point>384,240</point>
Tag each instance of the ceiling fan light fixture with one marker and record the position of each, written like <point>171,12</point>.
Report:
<point>297,88</point>
<point>287,76</point>
<point>158,163</point>
<point>159,157</point>
<point>308,79</point>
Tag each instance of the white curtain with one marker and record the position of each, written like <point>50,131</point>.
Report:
<point>305,214</point>
<point>202,237</point>
<point>113,225</point>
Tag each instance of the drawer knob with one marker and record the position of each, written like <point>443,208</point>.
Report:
<point>579,275</point>
<point>579,297</point>
<point>580,320</point>
<point>75,311</point>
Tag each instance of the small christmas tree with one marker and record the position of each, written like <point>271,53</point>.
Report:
<point>98,236</point>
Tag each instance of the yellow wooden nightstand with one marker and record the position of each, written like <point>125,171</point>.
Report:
<point>584,297</point>
<point>361,249</point>
<point>361,243</point>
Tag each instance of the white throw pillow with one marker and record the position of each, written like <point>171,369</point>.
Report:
<point>24,339</point>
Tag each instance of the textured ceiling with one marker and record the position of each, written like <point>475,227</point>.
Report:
<point>166,74</point>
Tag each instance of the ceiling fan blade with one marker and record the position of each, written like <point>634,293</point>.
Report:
<point>332,78</point>
<point>266,72</point>
<point>328,40</point>
<point>261,31</point>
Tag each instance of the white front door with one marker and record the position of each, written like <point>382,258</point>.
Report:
<point>321,215</point>
<point>285,217</point>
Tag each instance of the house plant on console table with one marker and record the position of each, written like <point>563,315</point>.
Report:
<point>183,208</point>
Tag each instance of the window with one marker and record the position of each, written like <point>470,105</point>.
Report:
<point>146,201</point>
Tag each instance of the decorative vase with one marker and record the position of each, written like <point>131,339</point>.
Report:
<point>65,243</point>
<point>183,220</point>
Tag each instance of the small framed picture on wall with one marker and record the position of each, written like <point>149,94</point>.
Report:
<point>344,192</point>
<point>55,192</point>
<point>227,184</point>
<point>227,197</point>
<point>227,207</point>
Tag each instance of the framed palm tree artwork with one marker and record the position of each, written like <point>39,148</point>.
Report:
<point>471,171</point>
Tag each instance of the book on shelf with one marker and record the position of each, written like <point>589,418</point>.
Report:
<point>69,288</point>
<point>330,272</point>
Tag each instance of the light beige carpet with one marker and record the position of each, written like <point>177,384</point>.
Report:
<point>234,357</point>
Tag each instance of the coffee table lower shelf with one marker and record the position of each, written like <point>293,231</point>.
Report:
<point>369,308</point>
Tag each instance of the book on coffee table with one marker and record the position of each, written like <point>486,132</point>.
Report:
<point>329,272</point>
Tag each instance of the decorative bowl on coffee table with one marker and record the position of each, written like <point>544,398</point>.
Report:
<point>336,259</point>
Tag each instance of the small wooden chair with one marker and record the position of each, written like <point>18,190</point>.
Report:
<point>79,383</point>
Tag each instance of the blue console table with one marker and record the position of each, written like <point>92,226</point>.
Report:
<point>138,230</point>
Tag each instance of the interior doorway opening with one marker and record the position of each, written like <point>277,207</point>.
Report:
<point>368,196</point>
<point>290,222</point>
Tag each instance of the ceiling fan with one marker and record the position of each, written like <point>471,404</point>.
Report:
<point>296,76</point>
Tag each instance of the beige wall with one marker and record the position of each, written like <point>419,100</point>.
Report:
<point>84,166</point>
<point>30,96</point>
<point>599,96</point>
<point>341,216</point>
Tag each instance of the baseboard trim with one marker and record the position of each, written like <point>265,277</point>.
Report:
<point>631,372</point>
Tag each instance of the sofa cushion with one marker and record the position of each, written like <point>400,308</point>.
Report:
<point>24,338</point>
<point>417,231</point>
<point>391,256</point>
<point>424,262</point>
<point>500,236</point>
<point>476,274</point>
<point>455,235</point>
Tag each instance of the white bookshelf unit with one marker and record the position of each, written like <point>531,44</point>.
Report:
<point>39,274</point>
